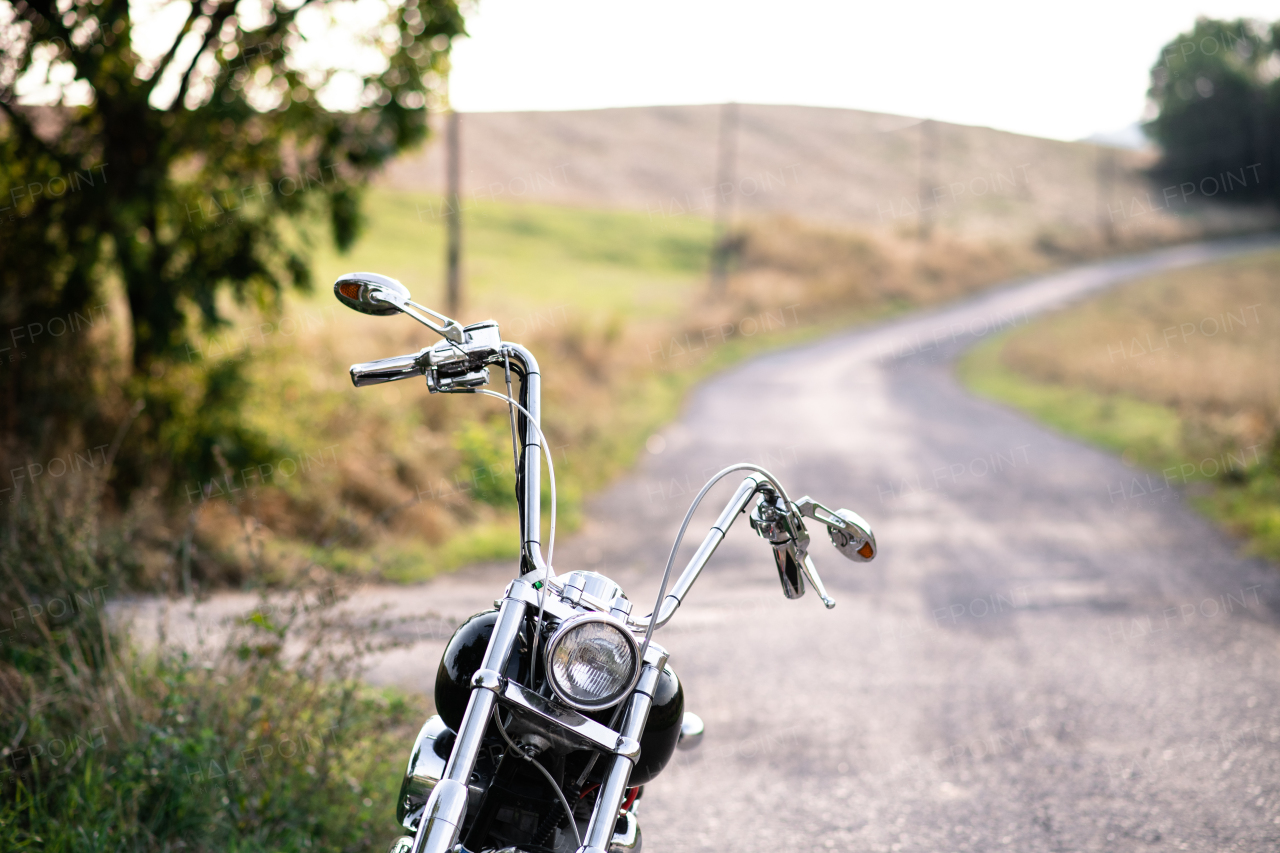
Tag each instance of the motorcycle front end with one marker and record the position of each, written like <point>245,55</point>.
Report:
<point>555,708</point>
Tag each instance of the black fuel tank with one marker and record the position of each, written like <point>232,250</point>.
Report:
<point>658,742</point>
<point>462,658</point>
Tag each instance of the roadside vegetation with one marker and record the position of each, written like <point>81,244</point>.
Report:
<point>263,739</point>
<point>1178,373</point>
<point>392,483</point>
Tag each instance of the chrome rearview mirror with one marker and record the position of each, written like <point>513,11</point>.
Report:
<point>380,295</point>
<point>849,531</point>
<point>370,293</point>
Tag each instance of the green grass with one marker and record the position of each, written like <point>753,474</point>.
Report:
<point>235,745</point>
<point>590,291</point>
<point>1143,433</point>
<point>525,258</point>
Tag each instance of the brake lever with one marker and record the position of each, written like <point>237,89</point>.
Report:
<point>811,571</point>
<point>783,527</point>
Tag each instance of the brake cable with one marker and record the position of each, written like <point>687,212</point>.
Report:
<point>551,534</point>
<point>688,516</point>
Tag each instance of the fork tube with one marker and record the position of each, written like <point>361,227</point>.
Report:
<point>447,807</point>
<point>532,474</point>
<point>614,788</point>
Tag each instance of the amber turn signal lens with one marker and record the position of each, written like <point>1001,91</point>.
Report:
<point>350,289</point>
<point>866,551</point>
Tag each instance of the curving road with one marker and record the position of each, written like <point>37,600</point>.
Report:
<point>1043,658</point>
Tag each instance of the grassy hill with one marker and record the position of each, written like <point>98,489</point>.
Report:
<point>841,167</point>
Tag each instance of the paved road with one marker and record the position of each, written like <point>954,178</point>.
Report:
<point>1041,659</point>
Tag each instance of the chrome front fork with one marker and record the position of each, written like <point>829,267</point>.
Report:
<point>614,788</point>
<point>446,808</point>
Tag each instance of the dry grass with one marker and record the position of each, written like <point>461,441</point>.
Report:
<point>392,482</point>
<point>1179,374</point>
<point>1205,342</point>
<point>855,169</point>
<point>262,740</point>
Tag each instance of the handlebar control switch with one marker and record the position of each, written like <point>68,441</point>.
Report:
<point>438,381</point>
<point>453,366</point>
<point>785,530</point>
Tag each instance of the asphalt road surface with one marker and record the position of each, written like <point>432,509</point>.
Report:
<point>1049,654</point>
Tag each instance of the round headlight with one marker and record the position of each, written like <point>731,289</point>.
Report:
<point>592,662</point>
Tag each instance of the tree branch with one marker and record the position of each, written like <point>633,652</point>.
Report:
<point>163,66</point>
<point>216,20</point>
<point>36,12</point>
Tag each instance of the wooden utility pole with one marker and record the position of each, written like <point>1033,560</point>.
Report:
<point>1106,182</point>
<point>726,180</point>
<point>453,213</point>
<point>928,176</point>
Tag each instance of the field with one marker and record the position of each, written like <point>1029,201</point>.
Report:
<point>391,482</point>
<point>847,168</point>
<point>1179,374</point>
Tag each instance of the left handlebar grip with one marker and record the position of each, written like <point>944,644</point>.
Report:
<point>388,369</point>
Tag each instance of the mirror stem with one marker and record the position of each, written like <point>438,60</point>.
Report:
<point>442,318</point>
<point>450,331</point>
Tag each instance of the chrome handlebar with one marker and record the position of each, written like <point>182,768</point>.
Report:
<point>783,526</point>
<point>459,364</point>
<point>449,365</point>
<point>388,369</point>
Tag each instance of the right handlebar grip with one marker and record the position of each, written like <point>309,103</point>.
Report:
<point>387,370</point>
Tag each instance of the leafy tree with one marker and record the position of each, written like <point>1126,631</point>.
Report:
<point>168,160</point>
<point>1218,94</point>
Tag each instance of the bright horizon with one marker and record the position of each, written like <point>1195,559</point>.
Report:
<point>1011,66</point>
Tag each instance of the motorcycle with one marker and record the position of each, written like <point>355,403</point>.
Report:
<point>557,707</point>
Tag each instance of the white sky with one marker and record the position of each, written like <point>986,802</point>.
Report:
<point>1062,70</point>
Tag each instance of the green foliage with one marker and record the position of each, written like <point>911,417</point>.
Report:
<point>249,754</point>
<point>261,741</point>
<point>1249,504</point>
<point>173,176</point>
<point>199,420</point>
<point>486,468</point>
<point>1219,100</point>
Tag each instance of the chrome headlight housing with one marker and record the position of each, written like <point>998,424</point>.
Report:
<point>592,661</point>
